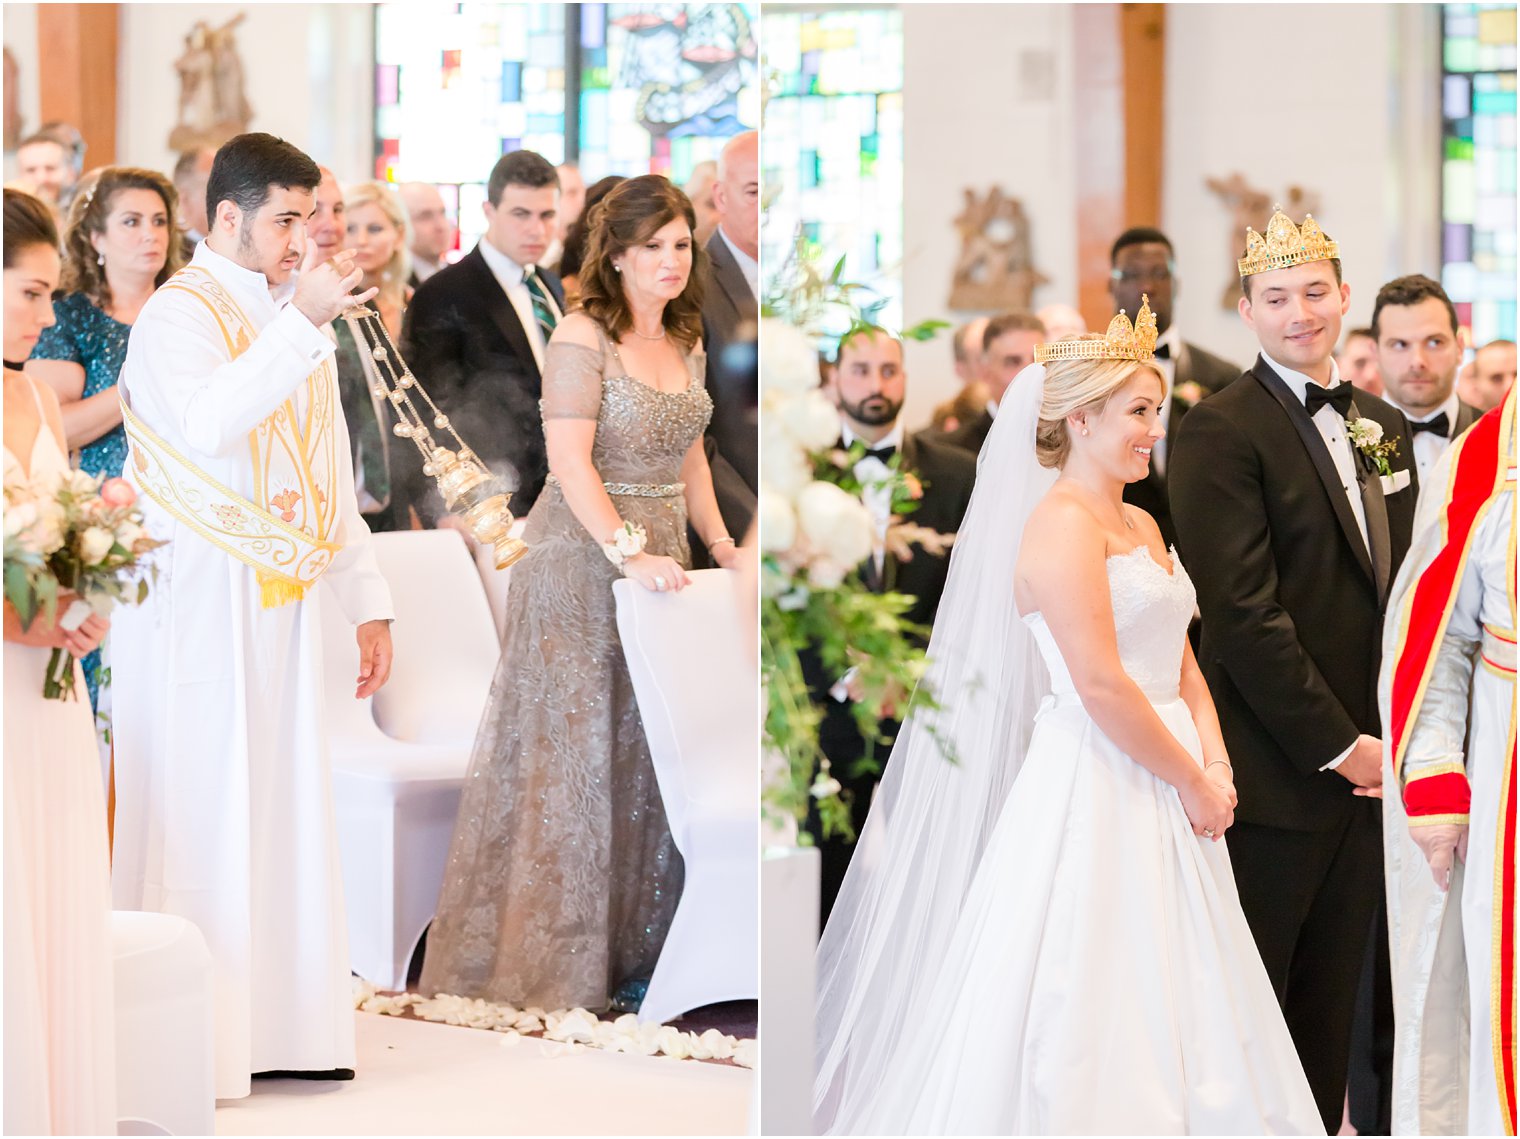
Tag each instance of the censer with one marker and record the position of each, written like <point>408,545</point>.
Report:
<point>468,488</point>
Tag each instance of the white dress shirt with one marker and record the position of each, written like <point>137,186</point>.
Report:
<point>509,275</point>
<point>875,490</point>
<point>1332,429</point>
<point>1428,446</point>
<point>747,264</point>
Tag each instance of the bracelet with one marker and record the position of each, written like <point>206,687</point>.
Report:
<point>1226,762</point>
<point>627,541</point>
<point>720,541</point>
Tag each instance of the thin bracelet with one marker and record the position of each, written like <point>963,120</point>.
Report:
<point>720,541</point>
<point>1226,762</point>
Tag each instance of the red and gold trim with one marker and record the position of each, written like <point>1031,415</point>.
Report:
<point>1503,996</point>
<point>1478,474</point>
<point>1438,794</point>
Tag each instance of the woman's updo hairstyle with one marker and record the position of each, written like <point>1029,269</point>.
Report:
<point>1070,386</point>
<point>28,222</point>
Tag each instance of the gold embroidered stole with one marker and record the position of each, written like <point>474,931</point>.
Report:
<point>285,534</point>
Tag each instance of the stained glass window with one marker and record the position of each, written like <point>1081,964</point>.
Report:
<point>1478,203</point>
<point>663,86</point>
<point>834,143</point>
<point>459,85</point>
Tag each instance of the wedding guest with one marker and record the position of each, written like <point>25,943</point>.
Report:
<point>60,1055</point>
<point>572,200</point>
<point>377,233</point>
<point>1142,265</point>
<point>1493,374</point>
<point>328,225</point>
<point>432,231</point>
<point>476,331</point>
<point>1357,361</point>
<point>50,166</point>
<point>1292,551</point>
<point>730,315</point>
<point>120,245</point>
<point>1061,321</point>
<point>966,347</point>
<point>699,188</point>
<point>1414,326</point>
<point>1007,349</point>
<point>190,174</point>
<point>868,383</point>
<point>575,243</point>
<point>562,878</point>
<point>223,785</point>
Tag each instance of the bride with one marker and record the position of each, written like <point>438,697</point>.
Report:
<point>1042,936</point>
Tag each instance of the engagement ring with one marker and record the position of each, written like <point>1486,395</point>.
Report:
<point>1208,832</point>
<point>659,583</point>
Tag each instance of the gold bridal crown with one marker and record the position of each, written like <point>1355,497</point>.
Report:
<point>1286,244</point>
<point>1122,341</point>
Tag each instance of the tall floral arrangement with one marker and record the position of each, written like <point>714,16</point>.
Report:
<point>814,532</point>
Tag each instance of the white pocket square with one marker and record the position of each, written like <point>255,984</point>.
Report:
<point>1395,482</point>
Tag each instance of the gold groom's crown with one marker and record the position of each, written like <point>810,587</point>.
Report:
<point>1286,244</point>
<point>1122,341</point>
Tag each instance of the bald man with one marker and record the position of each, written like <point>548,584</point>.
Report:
<point>432,231</point>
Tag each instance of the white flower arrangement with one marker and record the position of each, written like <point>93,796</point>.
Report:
<point>1367,437</point>
<point>564,1031</point>
<point>627,541</point>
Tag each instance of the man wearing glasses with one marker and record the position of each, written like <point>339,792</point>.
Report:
<point>1142,262</point>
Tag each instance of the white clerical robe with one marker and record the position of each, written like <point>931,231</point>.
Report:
<point>1444,954</point>
<point>224,811</point>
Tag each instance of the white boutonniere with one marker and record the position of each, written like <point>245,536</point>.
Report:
<point>1367,437</point>
<point>1188,393</point>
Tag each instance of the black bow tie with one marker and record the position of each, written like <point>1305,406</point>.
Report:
<point>883,453</point>
<point>1440,425</point>
<point>1163,351</point>
<point>1338,397</point>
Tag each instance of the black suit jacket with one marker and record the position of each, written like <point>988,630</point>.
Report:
<point>730,322</point>
<point>1194,366</point>
<point>1292,602</point>
<point>969,436</point>
<point>464,341</point>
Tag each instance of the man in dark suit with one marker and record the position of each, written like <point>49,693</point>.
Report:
<point>1414,326</point>
<point>868,384</point>
<point>730,316</point>
<point>1292,536</point>
<point>1007,349</point>
<point>1142,264</point>
<point>191,172</point>
<point>476,332</point>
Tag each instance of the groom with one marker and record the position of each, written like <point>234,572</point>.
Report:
<point>1292,533</point>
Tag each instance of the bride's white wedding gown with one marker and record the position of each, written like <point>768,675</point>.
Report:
<point>1101,978</point>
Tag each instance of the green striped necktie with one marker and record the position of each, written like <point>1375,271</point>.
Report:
<point>543,307</point>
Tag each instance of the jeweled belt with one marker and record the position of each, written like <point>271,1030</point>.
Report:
<point>638,489</point>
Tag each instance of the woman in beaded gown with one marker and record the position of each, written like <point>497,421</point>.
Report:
<point>119,246</point>
<point>562,878</point>
<point>1044,937</point>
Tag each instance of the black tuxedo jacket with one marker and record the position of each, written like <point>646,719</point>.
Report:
<point>969,436</point>
<point>1292,601</point>
<point>730,323</point>
<point>464,341</point>
<point>1196,366</point>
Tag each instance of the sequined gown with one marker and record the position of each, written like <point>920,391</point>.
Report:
<point>562,877</point>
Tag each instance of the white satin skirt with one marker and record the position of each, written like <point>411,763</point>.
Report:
<point>1102,978</point>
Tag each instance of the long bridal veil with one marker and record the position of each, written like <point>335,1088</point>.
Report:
<point>931,817</point>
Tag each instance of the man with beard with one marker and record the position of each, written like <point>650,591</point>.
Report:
<point>869,384</point>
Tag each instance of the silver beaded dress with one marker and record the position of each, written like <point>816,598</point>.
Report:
<point>562,877</point>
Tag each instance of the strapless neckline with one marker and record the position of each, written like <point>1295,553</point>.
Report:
<point>1127,555</point>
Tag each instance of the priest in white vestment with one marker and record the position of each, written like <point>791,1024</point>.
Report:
<point>224,812</point>
<point>1448,691</point>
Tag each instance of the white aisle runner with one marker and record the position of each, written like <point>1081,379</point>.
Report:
<point>419,1078</point>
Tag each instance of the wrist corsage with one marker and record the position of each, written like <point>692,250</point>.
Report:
<point>627,541</point>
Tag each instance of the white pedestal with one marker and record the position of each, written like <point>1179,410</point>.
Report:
<point>788,942</point>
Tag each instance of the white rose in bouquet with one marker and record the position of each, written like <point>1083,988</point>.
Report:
<point>19,518</point>
<point>835,523</point>
<point>778,524</point>
<point>811,420</point>
<point>80,482</point>
<point>47,530</point>
<point>94,544</point>
<point>788,362</point>
<point>783,465</point>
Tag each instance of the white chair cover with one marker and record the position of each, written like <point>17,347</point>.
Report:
<point>400,758</point>
<point>699,698</point>
<point>165,1078</point>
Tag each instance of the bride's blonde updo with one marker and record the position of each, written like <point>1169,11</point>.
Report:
<point>1070,386</point>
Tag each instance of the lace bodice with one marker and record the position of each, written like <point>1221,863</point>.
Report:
<point>1151,613</point>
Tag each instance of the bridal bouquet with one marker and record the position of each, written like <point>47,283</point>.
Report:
<point>73,534</point>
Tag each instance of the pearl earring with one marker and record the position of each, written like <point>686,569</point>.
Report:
<point>1084,431</point>
<point>617,268</point>
<point>100,259</point>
